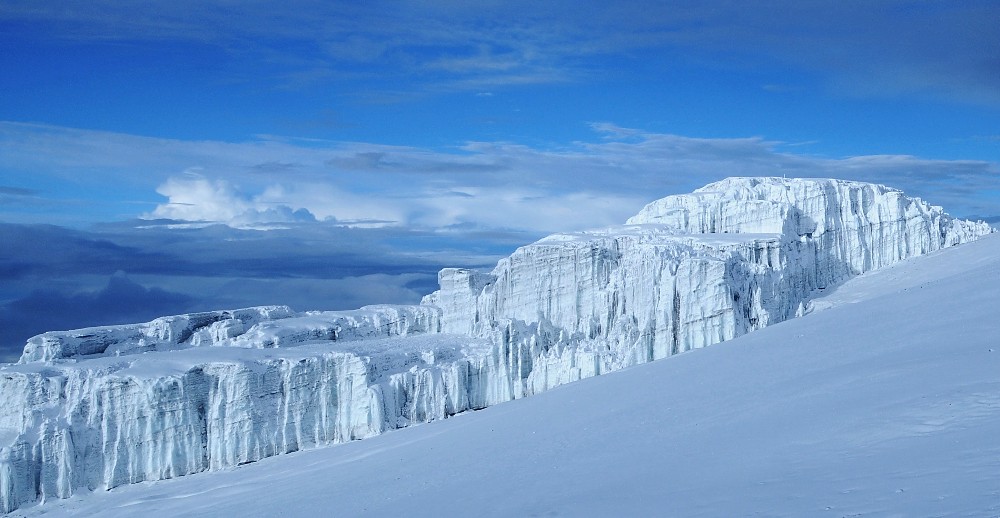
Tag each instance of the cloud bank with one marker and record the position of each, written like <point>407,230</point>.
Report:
<point>120,301</point>
<point>275,180</point>
<point>57,278</point>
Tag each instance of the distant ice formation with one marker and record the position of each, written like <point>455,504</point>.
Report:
<point>100,407</point>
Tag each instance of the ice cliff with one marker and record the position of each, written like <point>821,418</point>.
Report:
<point>101,407</point>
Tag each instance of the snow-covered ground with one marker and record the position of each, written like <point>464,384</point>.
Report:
<point>884,401</point>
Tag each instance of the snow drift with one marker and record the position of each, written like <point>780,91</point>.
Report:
<point>85,410</point>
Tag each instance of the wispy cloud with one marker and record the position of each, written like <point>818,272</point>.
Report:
<point>18,196</point>
<point>864,48</point>
<point>16,191</point>
<point>611,131</point>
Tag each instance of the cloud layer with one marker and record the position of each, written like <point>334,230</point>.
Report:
<point>483,185</point>
<point>119,301</point>
<point>59,278</point>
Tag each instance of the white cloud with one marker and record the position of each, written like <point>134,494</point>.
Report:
<point>193,197</point>
<point>196,198</point>
<point>482,184</point>
<point>329,201</point>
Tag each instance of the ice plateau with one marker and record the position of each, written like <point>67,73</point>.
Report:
<point>102,407</point>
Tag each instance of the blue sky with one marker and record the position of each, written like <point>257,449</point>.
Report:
<point>376,143</point>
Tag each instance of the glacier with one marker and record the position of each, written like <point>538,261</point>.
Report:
<point>98,408</point>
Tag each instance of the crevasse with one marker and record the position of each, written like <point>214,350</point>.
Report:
<point>101,407</point>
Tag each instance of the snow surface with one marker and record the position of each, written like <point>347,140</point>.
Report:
<point>885,403</point>
<point>98,408</point>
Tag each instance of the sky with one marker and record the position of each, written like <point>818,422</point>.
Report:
<point>166,157</point>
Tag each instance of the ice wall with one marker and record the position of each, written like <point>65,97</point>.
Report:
<point>94,424</point>
<point>863,225</point>
<point>696,269</point>
<point>101,407</point>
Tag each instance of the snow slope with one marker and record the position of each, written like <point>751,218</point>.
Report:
<point>885,402</point>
